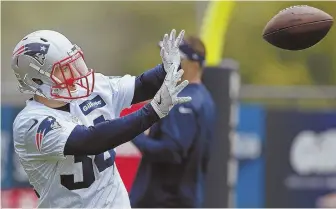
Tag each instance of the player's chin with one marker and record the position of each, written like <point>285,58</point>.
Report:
<point>73,89</point>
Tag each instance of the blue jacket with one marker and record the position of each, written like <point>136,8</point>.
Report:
<point>175,154</point>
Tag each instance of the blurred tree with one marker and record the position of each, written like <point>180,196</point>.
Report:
<point>148,24</point>
<point>262,63</point>
<point>116,37</point>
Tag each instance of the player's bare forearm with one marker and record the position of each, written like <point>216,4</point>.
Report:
<point>109,134</point>
<point>148,83</point>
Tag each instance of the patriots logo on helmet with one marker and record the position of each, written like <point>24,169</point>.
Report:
<point>38,51</point>
<point>48,124</point>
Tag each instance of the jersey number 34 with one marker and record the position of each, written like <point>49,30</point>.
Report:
<point>87,165</point>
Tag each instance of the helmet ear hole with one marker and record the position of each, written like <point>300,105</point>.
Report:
<point>37,81</point>
<point>17,61</point>
<point>43,39</point>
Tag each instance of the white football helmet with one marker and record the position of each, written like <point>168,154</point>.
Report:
<point>46,63</point>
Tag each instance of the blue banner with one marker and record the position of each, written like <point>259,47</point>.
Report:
<point>7,117</point>
<point>250,181</point>
<point>301,159</point>
<point>12,173</point>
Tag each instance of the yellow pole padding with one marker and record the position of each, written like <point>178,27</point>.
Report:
<point>213,30</point>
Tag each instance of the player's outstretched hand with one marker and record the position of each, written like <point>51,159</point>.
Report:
<point>170,52</point>
<point>166,97</point>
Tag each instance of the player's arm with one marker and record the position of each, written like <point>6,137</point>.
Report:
<point>112,133</point>
<point>109,134</point>
<point>177,134</point>
<point>148,83</point>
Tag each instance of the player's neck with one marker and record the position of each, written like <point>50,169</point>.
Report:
<point>192,77</point>
<point>49,103</point>
<point>194,80</point>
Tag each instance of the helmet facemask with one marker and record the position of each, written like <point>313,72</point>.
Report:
<point>71,77</point>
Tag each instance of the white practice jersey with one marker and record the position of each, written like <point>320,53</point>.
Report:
<point>40,134</point>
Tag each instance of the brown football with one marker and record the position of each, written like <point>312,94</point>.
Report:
<point>297,27</point>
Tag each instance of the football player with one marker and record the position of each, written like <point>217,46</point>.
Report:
<point>66,135</point>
